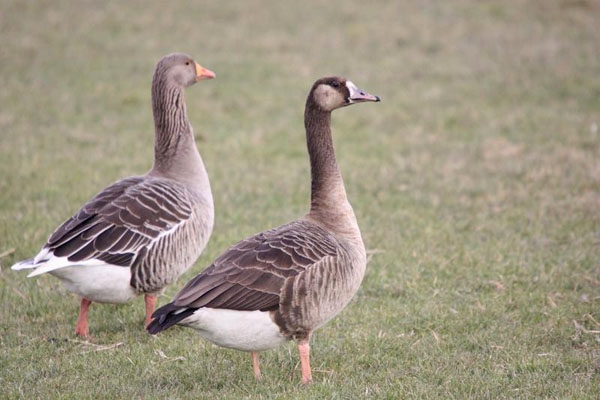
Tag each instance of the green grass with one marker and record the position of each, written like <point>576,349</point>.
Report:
<point>476,183</point>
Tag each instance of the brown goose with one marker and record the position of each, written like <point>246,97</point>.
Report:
<point>286,282</point>
<point>141,233</point>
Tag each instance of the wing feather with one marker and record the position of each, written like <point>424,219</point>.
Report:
<point>251,274</point>
<point>121,220</point>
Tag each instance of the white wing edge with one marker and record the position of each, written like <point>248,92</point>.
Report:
<point>45,262</point>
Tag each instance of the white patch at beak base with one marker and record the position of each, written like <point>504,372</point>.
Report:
<point>354,91</point>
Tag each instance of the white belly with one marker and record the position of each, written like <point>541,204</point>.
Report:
<point>98,283</point>
<point>240,330</point>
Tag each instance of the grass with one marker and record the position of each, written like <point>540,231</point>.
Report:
<point>476,183</point>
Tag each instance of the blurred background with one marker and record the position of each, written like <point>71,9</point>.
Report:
<point>476,184</point>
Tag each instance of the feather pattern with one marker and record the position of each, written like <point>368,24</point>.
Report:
<point>249,275</point>
<point>269,270</point>
<point>132,223</point>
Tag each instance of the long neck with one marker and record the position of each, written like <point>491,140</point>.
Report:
<point>175,152</point>
<point>329,203</point>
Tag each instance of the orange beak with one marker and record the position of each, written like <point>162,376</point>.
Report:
<point>203,73</point>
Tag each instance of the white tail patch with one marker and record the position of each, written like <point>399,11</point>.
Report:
<point>101,283</point>
<point>93,279</point>
<point>240,330</point>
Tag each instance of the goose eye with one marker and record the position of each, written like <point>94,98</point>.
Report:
<point>187,63</point>
<point>334,84</point>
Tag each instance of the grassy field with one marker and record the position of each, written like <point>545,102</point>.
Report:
<point>476,183</point>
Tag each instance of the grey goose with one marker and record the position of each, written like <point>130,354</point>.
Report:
<point>141,233</point>
<point>286,282</point>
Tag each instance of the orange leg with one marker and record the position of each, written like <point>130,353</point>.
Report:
<point>150,304</point>
<point>82,328</point>
<point>257,374</point>
<point>304,351</point>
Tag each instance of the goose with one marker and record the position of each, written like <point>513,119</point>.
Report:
<point>283,283</point>
<point>141,233</point>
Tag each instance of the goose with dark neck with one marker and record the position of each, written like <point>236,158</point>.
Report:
<point>286,282</point>
<point>141,233</point>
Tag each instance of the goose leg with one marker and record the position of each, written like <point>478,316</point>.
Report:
<point>255,365</point>
<point>150,304</point>
<point>82,328</point>
<point>304,351</point>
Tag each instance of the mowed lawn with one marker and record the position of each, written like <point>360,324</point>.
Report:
<point>476,183</point>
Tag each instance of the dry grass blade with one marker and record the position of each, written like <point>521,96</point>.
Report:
<point>583,329</point>
<point>372,252</point>
<point>96,347</point>
<point>162,354</point>
<point>20,294</point>
<point>7,252</point>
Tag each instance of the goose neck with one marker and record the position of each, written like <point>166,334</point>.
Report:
<point>169,110</point>
<point>327,187</point>
<point>171,123</point>
<point>175,153</point>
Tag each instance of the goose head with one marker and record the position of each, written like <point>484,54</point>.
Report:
<point>334,92</point>
<point>182,70</point>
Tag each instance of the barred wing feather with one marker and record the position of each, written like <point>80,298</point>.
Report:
<point>118,222</point>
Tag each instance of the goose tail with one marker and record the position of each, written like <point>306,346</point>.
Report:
<point>167,316</point>
<point>25,264</point>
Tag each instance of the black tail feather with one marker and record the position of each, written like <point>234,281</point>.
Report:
<point>167,316</point>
